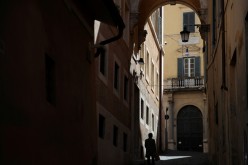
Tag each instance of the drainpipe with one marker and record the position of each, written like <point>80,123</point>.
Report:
<point>117,21</point>
<point>112,17</point>
<point>160,99</point>
<point>100,45</point>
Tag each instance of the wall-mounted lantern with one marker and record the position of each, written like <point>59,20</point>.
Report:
<point>185,34</point>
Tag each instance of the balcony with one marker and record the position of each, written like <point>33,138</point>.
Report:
<point>184,84</point>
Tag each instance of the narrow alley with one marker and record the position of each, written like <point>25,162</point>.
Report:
<point>108,82</point>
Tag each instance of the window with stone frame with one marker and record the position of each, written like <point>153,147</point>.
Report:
<point>153,122</point>
<point>147,115</point>
<point>147,65</point>
<point>141,108</point>
<point>125,142</point>
<point>101,126</point>
<point>115,135</point>
<point>188,67</point>
<point>152,76</point>
<point>50,74</point>
<point>116,76</point>
<point>103,64</point>
<point>157,84</point>
<point>126,88</point>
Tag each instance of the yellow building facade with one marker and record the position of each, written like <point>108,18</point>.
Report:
<point>147,83</point>
<point>184,98</point>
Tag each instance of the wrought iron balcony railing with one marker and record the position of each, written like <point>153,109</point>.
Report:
<point>189,83</point>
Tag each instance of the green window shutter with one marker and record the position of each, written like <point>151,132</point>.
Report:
<point>189,19</point>
<point>185,19</point>
<point>180,67</point>
<point>197,67</point>
<point>192,21</point>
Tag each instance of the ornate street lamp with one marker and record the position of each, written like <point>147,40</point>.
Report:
<point>184,34</point>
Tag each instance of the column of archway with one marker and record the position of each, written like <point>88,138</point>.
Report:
<point>171,139</point>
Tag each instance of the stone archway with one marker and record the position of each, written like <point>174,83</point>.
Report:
<point>146,7</point>
<point>142,9</point>
<point>190,129</point>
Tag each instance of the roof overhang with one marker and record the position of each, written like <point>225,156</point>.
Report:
<point>102,10</point>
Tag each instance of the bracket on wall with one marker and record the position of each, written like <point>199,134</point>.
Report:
<point>142,37</point>
<point>95,51</point>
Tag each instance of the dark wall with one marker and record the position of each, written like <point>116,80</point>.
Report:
<point>34,129</point>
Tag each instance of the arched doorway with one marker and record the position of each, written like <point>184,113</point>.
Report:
<point>190,129</point>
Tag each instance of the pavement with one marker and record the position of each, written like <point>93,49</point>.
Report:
<point>172,157</point>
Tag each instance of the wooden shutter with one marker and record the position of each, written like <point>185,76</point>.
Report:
<point>189,19</point>
<point>192,21</point>
<point>197,67</point>
<point>180,69</point>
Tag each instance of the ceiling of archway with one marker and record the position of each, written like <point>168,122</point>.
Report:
<point>146,7</point>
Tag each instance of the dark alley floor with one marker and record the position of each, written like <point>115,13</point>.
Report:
<point>181,158</point>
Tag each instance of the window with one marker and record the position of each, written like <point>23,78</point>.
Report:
<point>126,86</point>
<point>152,77</point>
<point>188,67</point>
<point>147,64</point>
<point>216,114</point>
<point>153,122</point>
<point>103,64</point>
<point>50,80</point>
<point>233,83</point>
<point>157,84</point>
<point>156,19</point>
<point>142,54</point>
<point>124,142</point>
<point>189,19</point>
<point>147,115</point>
<point>115,135</point>
<point>159,32</point>
<point>116,76</point>
<point>101,126</point>
<point>142,109</point>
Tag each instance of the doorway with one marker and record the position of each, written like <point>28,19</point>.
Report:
<point>190,129</point>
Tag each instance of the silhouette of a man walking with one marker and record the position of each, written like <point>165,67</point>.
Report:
<point>150,149</point>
